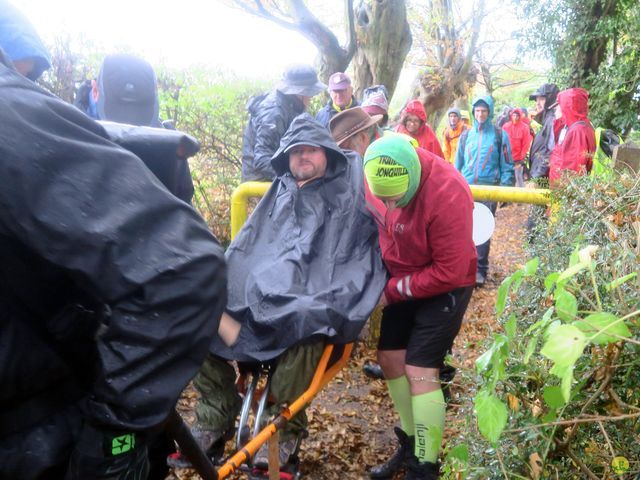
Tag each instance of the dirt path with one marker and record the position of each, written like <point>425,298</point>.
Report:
<point>351,420</point>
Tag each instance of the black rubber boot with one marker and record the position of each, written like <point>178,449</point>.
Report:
<point>372,370</point>
<point>421,471</point>
<point>398,459</point>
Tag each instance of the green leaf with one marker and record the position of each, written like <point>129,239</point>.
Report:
<point>531,347</point>
<point>497,353</point>
<point>531,267</point>
<point>603,328</point>
<point>510,327</point>
<point>541,323</point>
<point>564,345</point>
<point>484,360</point>
<point>550,416</point>
<point>567,380</point>
<point>566,305</point>
<point>575,257</point>
<point>553,396</point>
<point>572,271</point>
<point>492,415</point>
<point>552,326</point>
<point>503,292</point>
<point>550,281</point>
<point>518,277</point>
<point>459,452</point>
<point>619,281</point>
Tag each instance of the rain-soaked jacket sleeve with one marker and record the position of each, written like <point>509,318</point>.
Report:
<point>94,211</point>
<point>270,127</point>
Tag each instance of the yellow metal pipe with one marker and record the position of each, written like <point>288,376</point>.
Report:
<point>245,191</point>
<point>536,196</point>
<point>240,200</point>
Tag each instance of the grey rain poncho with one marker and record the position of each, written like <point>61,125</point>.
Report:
<point>307,263</point>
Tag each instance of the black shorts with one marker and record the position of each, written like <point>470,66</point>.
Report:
<point>426,327</point>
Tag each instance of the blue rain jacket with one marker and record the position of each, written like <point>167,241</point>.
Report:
<point>481,158</point>
<point>20,41</point>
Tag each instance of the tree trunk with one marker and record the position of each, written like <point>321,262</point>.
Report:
<point>439,86</point>
<point>384,40</point>
<point>295,15</point>
<point>592,54</point>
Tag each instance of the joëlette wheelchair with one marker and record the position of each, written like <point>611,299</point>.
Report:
<point>254,383</point>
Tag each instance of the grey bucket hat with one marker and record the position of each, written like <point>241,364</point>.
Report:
<point>301,80</point>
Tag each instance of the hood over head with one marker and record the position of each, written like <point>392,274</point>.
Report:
<point>305,130</point>
<point>20,41</point>
<point>454,110</point>
<point>415,107</point>
<point>518,111</point>
<point>488,100</point>
<point>574,103</point>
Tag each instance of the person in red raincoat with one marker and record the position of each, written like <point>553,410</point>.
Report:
<point>576,140</point>
<point>520,138</point>
<point>413,122</point>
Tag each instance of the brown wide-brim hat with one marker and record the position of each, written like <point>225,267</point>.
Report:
<point>349,122</point>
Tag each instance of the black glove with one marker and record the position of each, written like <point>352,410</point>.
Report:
<point>102,454</point>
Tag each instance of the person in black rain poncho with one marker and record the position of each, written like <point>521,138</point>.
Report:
<point>305,269</point>
<point>110,291</point>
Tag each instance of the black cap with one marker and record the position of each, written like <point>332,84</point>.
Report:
<point>548,90</point>
<point>128,91</point>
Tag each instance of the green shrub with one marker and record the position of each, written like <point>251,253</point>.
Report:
<point>211,106</point>
<point>558,390</point>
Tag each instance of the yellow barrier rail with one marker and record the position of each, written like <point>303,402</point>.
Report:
<point>240,200</point>
<point>245,191</point>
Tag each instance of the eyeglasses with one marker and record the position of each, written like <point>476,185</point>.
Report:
<point>410,120</point>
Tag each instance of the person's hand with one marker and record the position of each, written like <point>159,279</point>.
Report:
<point>102,454</point>
<point>531,185</point>
<point>229,329</point>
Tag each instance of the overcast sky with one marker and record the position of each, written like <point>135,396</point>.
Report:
<point>178,33</point>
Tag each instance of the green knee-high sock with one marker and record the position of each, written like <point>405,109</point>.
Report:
<point>428,414</point>
<point>401,395</point>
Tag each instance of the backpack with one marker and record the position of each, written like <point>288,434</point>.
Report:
<point>606,140</point>
<point>463,138</point>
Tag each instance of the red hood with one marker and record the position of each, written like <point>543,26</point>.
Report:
<point>519,112</point>
<point>415,107</point>
<point>574,104</point>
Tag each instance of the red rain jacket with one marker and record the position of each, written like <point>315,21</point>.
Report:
<point>520,138</point>
<point>427,245</point>
<point>574,151</point>
<point>425,136</point>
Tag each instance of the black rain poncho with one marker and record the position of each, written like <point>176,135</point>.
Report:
<point>110,287</point>
<point>307,263</point>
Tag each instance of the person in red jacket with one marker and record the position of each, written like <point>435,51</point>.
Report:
<point>423,208</point>
<point>413,122</point>
<point>576,140</point>
<point>520,138</point>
